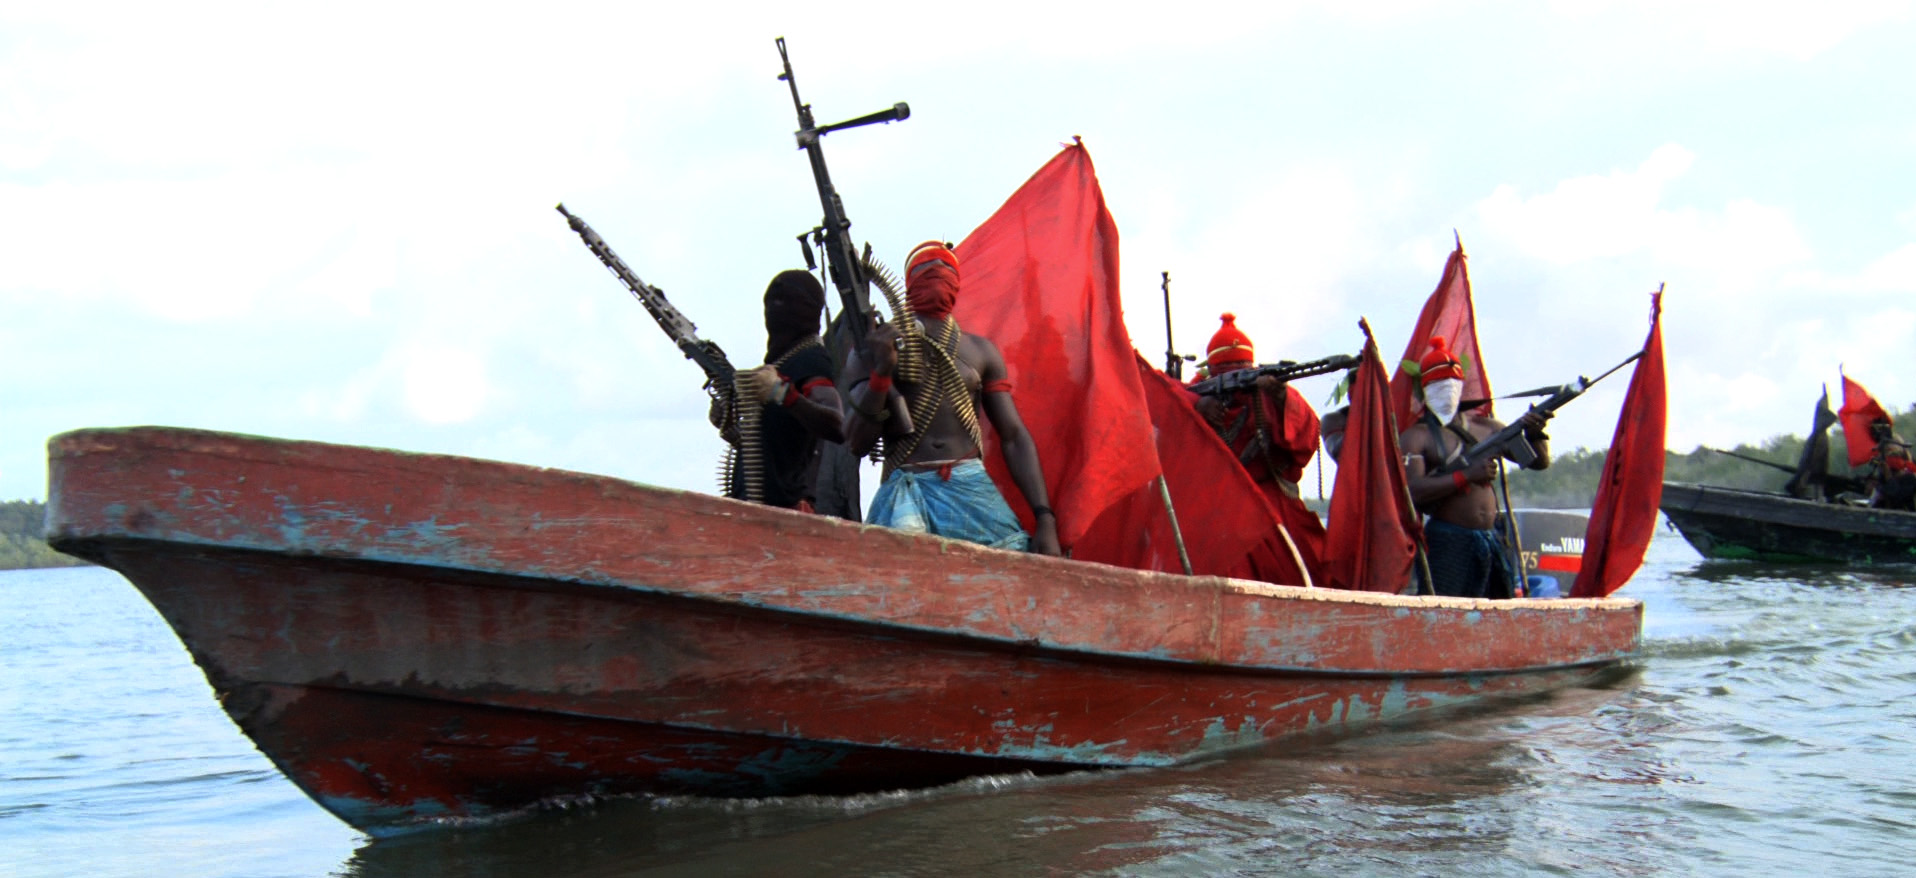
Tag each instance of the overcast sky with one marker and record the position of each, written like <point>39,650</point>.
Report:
<point>337,223</point>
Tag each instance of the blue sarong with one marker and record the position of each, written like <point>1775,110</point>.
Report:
<point>1467,563</point>
<point>965,507</point>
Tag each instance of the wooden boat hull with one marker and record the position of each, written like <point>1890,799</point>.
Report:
<point>411,637</point>
<point>1727,523</point>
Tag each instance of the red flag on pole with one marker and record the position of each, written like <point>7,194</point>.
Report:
<point>1225,522</point>
<point>1449,313</point>
<point>1374,531</point>
<point>1624,515</point>
<point>1041,281</point>
<point>1859,409</point>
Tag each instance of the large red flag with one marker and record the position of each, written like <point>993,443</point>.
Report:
<point>1374,531</point>
<point>1040,279</point>
<point>1227,524</point>
<point>1449,313</point>
<point>1624,515</point>
<point>1859,409</point>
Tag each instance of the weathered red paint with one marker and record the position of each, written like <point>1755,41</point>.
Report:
<point>411,636</point>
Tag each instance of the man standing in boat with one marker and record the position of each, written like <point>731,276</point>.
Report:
<point>1466,557</point>
<point>1889,476</point>
<point>935,478</point>
<point>1271,428</point>
<point>798,404</point>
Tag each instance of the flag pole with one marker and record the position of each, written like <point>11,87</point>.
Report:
<point>1177,534</point>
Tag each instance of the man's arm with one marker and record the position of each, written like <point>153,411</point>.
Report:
<point>811,399</point>
<point>870,410</point>
<point>820,411</point>
<point>1021,453</point>
<point>1429,488</point>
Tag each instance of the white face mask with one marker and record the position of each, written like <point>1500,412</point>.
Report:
<point>1443,396</point>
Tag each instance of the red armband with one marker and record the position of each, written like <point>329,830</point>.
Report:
<point>880,384</point>
<point>791,395</point>
<point>1463,484</point>
<point>1002,385</point>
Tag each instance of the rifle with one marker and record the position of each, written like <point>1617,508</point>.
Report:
<point>1285,370</point>
<point>1511,438</point>
<point>1173,361</point>
<point>833,234</point>
<point>718,370</point>
<point>1769,463</point>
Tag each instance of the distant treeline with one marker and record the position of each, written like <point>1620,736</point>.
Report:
<point>22,526</point>
<point>1571,480</point>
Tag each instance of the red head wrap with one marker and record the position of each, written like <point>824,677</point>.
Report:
<point>1230,348</point>
<point>1439,363</point>
<point>931,280</point>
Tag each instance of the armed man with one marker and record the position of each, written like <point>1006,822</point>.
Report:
<point>935,477</point>
<point>1270,427</point>
<point>1455,493</point>
<point>798,404</point>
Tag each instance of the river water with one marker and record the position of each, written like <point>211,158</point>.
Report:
<point>1768,729</point>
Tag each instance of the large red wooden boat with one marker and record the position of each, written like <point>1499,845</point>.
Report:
<point>412,637</point>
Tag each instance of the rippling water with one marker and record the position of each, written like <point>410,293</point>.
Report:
<point>1768,729</point>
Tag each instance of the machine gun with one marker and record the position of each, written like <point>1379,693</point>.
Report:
<point>834,232</point>
<point>1285,370</point>
<point>718,370</point>
<point>1510,441</point>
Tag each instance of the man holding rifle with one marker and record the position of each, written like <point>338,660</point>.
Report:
<point>1270,428</point>
<point>1466,557</point>
<point>935,479</point>
<point>799,405</point>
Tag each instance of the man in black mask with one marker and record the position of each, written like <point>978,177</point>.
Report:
<point>797,402</point>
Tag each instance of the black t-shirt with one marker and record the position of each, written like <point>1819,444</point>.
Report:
<point>791,451</point>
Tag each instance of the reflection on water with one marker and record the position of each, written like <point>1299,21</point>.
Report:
<point>1409,798</point>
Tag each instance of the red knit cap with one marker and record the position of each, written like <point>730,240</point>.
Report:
<point>1439,363</point>
<point>1230,346</point>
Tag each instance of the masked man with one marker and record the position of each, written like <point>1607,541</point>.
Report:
<point>1466,557</point>
<point>935,479</point>
<point>1271,428</point>
<point>797,403</point>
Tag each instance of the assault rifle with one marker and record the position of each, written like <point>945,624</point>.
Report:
<point>1510,441</point>
<point>1285,370</point>
<point>718,369</point>
<point>834,233</point>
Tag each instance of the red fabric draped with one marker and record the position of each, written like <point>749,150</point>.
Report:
<point>1859,408</point>
<point>1374,531</point>
<point>1449,313</point>
<point>1230,527</point>
<point>1041,281</point>
<point>1624,514</point>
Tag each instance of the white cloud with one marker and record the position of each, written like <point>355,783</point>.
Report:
<point>1795,30</point>
<point>1730,254</point>
<point>443,383</point>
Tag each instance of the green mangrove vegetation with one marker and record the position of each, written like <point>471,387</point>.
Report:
<point>1571,480</point>
<point>22,543</point>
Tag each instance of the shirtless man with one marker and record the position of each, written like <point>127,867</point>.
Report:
<point>1466,557</point>
<point>935,479</point>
